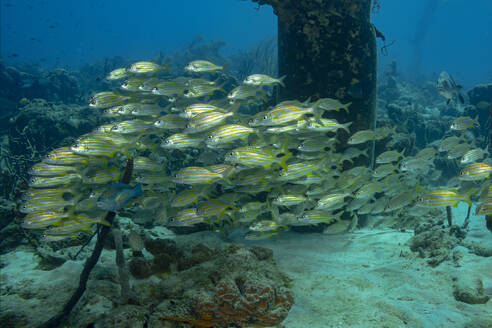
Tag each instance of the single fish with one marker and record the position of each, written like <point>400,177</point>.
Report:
<point>92,146</point>
<point>43,182</point>
<point>117,74</point>
<point>146,67</point>
<point>464,122</point>
<point>246,92</point>
<point>43,219</point>
<point>50,170</point>
<point>252,156</point>
<point>473,155</point>
<point>263,79</point>
<point>475,171</point>
<point>64,156</point>
<point>202,66</point>
<point>131,127</point>
<point>228,133</point>
<point>439,198</point>
<point>449,89</point>
<point>205,121</point>
<point>170,122</point>
<point>289,200</point>
<point>330,104</point>
<point>107,99</point>
<point>389,156</point>
<point>194,175</point>
<point>361,137</point>
<point>185,218</point>
<point>181,141</point>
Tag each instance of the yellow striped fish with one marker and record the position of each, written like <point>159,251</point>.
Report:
<point>206,121</point>
<point>316,217</point>
<point>264,225</point>
<point>170,122</point>
<point>296,171</point>
<point>475,171</point>
<point>131,126</point>
<point>438,198</point>
<point>95,147</point>
<point>245,92</point>
<point>228,133</point>
<point>103,176</point>
<point>117,74</point>
<point>171,88</point>
<point>107,99</point>
<point>214,207</point>
<point>263,79</point>
<point>289,200</point>
<point>185,218</point>
<point>43,182</point>
<point>193,175</point>
<point>180,141</point>
<point>282,114</point>
<point>146,67</point>
<point>145,164</point>
<point>225,169</point>
<point>326,125</point>
<point>49,170</point>
<point>251,156</point>
<point>43,219</point>
<point>145,109</point>
<point>45,204</point>
<point>331,201</point>
<point>485,208</point>
<point>202,66</point>
<point>48,193</point>
<point>64,156</point>
<point>187,197</point>
<point>473,155</point>
<point>195,109</point>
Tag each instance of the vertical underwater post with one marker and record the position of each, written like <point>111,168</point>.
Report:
<point>327,48</point>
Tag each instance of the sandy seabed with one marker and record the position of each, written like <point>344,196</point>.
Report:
<point>370,278</point>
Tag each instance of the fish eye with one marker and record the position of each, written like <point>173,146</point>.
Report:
<point>265,117</point>
<point>171,219</point>
<point>210,137</point>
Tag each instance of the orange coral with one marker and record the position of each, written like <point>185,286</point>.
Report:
<point>250,302</point>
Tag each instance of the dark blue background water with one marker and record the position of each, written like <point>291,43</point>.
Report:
<point>430,35</point>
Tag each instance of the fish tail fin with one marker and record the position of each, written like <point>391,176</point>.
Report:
<point>346,126</point>
<point>220,88</point>
<point>281,81</point>
<point>346,106</point>
<point>166,65</point>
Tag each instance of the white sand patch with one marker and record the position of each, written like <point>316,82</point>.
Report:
<point>371,279</point>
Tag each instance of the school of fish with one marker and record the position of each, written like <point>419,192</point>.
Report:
<point>267,171</point>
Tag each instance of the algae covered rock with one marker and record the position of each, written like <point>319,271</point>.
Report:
<point>217,286</point>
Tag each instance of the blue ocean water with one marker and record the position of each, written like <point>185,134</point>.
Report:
<point>366,273</point>
<point>429,35</point>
